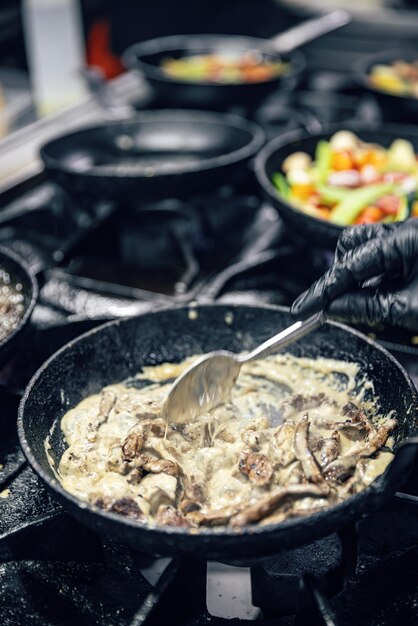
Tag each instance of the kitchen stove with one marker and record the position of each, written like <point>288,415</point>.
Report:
<point>100,260</point>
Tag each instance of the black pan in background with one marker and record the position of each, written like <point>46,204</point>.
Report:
<point>117,351</point>
<point>20,273</point>
<point>396,108</point>
<point>156,154</point>
<point>148,55</point>
<point>315,231</point>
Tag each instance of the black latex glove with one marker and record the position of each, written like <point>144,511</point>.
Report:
<point>387,253</point>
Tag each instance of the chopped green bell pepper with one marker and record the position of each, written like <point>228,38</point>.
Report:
<point>346,211</point>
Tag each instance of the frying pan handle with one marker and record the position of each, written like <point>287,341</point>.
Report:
<point>310,30</point>
<point>401,464</point>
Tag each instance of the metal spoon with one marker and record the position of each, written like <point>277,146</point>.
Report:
<point>209,380</point>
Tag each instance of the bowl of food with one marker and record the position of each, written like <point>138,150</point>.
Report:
<point>392,77</point>
<point>306,444</point>
<point>323,183</point>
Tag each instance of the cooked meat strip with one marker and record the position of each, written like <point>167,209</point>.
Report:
<point>341,469</point>
<point>123,506</point>
<point>300,403</point>
<point>107,402</point>
<point>329,449</point>
<point>310,465</point>
<point>169,516</point>
<point>278,516</point>
<point>271,501</point>
<point>212,518</point>
<point>379,437</point>
<point>133,444</point>
<point>242,460</point>
<point>259,468</point>
<point>354,412</point>
<point>376,439</point>
<point>163,466</point>
<point>193,497</point>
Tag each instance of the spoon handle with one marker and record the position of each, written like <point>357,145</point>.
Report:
<point>286,337</point>
<point>310,30</point>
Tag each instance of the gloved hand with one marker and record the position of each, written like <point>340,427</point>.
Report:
<point>386,253</point>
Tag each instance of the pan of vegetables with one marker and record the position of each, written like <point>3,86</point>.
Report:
<point>392,77</point>
<point>215,71</point>
<point>323,183</point>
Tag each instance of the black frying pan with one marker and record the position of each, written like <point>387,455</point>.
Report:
<point>274,153</point>
<point>147,57</point>
<point>117,350</point>
<point>19,272</point>
<point>395,107</point>
<point>156,154</point>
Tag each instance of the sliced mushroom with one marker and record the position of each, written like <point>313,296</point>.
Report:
<point>127,507</point>
<point>271,501</point>
<point>329,449</point>
<point>376,440</point>
<point>212,518</point>
<point>341,469</point>
<point>242,460</point>
<point>193,498</point>
<point>309,463</point>
<point>162,466</point>
<point>259,468</point>
<point>107,402</point>
<point>132,444</point>
<point>299,403</point>
<point>169,516</point>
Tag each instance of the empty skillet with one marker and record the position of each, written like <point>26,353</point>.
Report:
<point>119,349</point>
<point>155,154</point>
<point>148,56</point>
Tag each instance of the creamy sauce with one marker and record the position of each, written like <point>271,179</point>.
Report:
<point>289,442</point>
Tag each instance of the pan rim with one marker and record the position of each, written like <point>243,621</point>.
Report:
<point>173,116</point>
<point>132,61</point>
<point>170,531</point>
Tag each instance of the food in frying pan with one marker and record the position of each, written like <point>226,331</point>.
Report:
<point>350,181</point>
<point>399,78</point>
<point>298,435</point>
<point>12,303</point>
<point>224,68</point>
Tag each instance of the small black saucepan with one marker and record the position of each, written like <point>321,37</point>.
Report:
<point>395,107</point>
<point>19,273</point>
<point>119,349</point>
<point>271,157</point>
<point>148,56</point>
<point>155,154</point>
